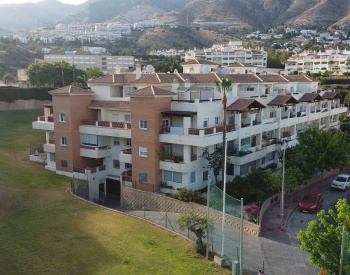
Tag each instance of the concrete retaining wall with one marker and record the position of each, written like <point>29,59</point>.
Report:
<point>133,199</point>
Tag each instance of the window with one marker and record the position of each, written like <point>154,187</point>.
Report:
<point>143,151</point>
<point>217,120</point>
<point>116,164</point>
<point>231,120</point>
<point>63,141</point>
<point>143,124</point>
<point>127,118</point>
<point>172,176</point>
<point>62,117</point>
<point>206,122</point>
<point>116,142</point>
<point>193,177</point>
<point>205,175</point>
<point>166,122</point>
<point>128,166</point>
<point>143,177</point>
<point>128,142</point>
<point>115,118</point>
<point>52,157</point>
<point>167,149</point>
<point>230,170</point>
<point>64,164</point>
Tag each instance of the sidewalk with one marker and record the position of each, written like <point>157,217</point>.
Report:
<point>271,221</point>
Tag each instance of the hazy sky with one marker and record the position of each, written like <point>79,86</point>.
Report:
<point>73,2</point>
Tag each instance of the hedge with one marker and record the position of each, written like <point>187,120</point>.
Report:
<point>13,94</point>
<point>335,81</point>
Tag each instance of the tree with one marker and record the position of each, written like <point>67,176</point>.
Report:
<point>215,161</point>
<point>324,150</point>
<point>322,240</point>
<point>6,77</point>
<point>345,125</point>
<point>195,224</point>
<point>93,73</point>
<point>223,88</point>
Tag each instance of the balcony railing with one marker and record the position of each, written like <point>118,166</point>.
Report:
<point>127,151</point>
<point>127,175</point>
<point>209,131</point>
<point>109,124</point>
<point>93,170</point>
<point>193,157</point>
<point>42,118</point>
<point>51,141</point>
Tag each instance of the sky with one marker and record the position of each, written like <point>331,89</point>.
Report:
<point>73,2</point>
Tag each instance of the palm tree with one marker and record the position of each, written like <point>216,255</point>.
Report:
<point>223,87</point>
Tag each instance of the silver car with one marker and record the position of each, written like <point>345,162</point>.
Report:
<point>342,182</point>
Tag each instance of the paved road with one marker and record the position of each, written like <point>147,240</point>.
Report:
<point>299,220</point>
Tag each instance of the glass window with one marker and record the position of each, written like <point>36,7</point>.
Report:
<point>177,177</point>
<point>166,122</point>
<point>206,122</point>
<point>205,175</point>
<point>128,166</point>
<point>128,142</point>
<point>116,164</point>
<point>143,151</point>
<point>63,141</point>
<point>64,164</point>
<point>52,157</point>
<point>143,177</point>
<point>143,124</point>
<point>127,118</point>
<point>193,176</point>
<point>62,117</point>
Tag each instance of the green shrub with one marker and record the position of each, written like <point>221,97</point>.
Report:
<point>189,196</point>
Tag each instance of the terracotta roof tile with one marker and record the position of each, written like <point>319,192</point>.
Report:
<point>244,104</point>
<point>169,78</point>
<point>272,78</point>
<point>282,100</point>
<point>110,104</point>
<point>241,78</point>
<point>241,65</point>
<point>299,78</point>
<point>310,97</point>
<point>70,90</point>
<point>200,78</point>
<point>199,61</point>
<point>116,78</point>
<point>147,79</point>
<point>331,95</point>
<point>151,91</point>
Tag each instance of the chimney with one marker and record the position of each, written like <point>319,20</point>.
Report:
<point>138,70</point>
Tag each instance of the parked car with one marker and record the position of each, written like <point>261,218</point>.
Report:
<point>310,202</point>
<point>342,182</point>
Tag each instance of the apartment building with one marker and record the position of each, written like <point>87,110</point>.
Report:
<point>147,129</point>
<point>230,53</point>
<point>334,60</point>
<point>106,63</point>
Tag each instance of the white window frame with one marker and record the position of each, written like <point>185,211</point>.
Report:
<point>62,117</point>
<point>143,151</point>
<point>63,141</point>
<point>166,122</point>
<point>143,124</point>
<point>127,118</point>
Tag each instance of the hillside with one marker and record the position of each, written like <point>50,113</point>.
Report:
<point>262,13</point>
<point>14,57</point>
<point>181,38</point>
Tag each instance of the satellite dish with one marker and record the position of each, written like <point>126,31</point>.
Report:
<point>225,70</point>
<point>205,69</point>
<point>150,69</point>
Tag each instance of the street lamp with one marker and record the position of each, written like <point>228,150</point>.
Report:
<point>283,172</point>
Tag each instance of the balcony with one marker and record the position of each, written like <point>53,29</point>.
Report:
<point>106,128</point>
<point>125,156</point>
<point>82,172</point>
<point>173,166</point>
<point>95,152</point>
<point>127,176</point>
<point>41,124</point>
<point>50,147</point>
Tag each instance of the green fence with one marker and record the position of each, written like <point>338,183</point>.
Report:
<point>225,232</point>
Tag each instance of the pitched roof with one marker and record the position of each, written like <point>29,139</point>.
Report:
<point>115,78</point>
<point>282,100</point>
<point>241,78</point>
<point>147,79</point>
<point>151,91</point>
<point>331,95</point>
<point>242,65</point>
<point>199,61</point>
<point>272,78</point>
<point>245,103</point>
<point>310,97</point>
<point>110,104</point>
<point>299,78</point>
<point>200,78</point>
<point>70,90</point>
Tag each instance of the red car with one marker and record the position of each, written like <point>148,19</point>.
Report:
<point>310,202</point>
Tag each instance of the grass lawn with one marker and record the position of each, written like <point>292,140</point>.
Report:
<point>43,230</point>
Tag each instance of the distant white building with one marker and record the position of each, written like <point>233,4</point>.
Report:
<point>169,52</point>
<point>230,53</point>
<point>336,61</point>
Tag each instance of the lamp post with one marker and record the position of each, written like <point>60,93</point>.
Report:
<point>282,195</point>
<point>223,201</point>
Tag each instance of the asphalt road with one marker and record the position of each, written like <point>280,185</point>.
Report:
<point>299,221</point>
